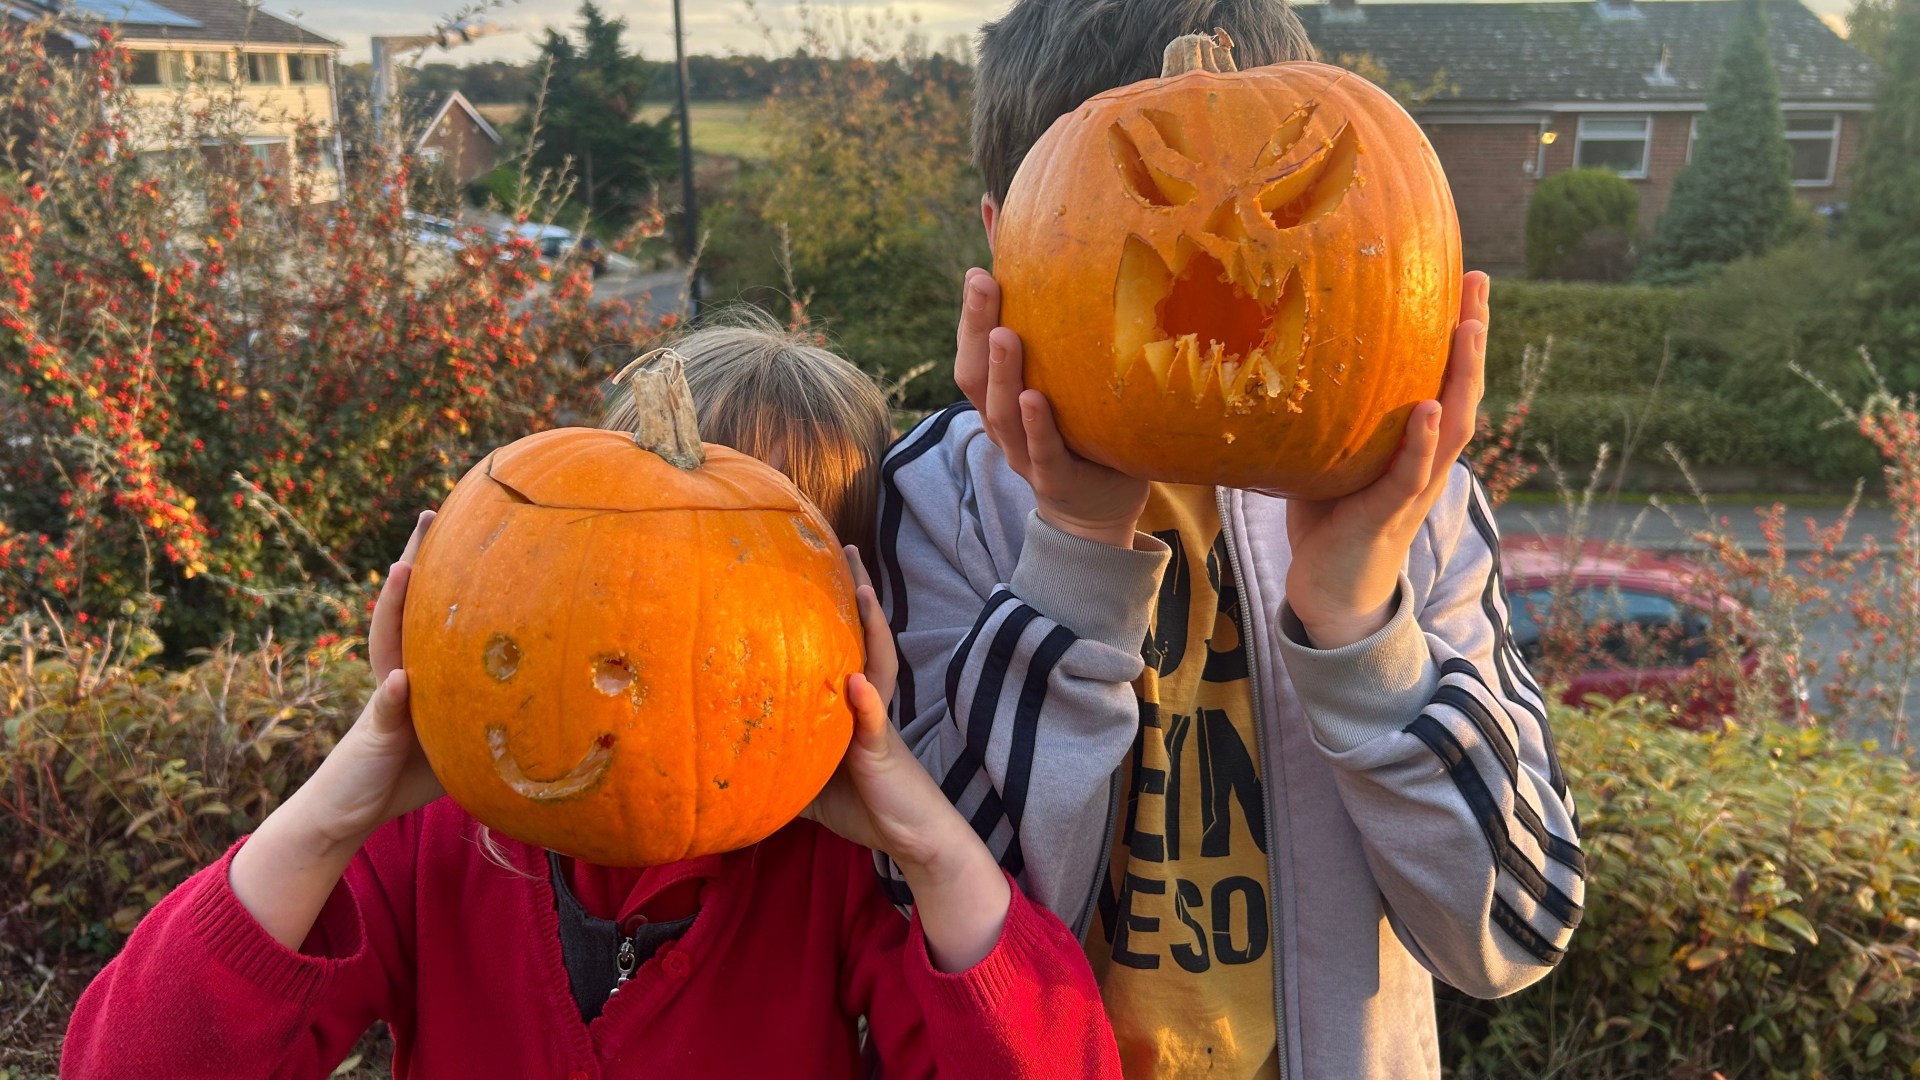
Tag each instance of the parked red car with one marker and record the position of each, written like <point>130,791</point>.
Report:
<point>1647,621</point>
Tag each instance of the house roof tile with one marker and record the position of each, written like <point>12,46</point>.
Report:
<point>223,21</point>
<point>1579,51</point>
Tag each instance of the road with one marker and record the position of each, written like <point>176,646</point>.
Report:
<point>1674,529</point>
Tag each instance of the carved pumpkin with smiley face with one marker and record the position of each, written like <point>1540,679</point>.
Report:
<point>628,656</point>
<point>1242,278</point>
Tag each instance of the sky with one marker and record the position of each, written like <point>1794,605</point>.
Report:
<point>715,27</point>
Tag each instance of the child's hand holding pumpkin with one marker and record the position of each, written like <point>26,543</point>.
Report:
<point>291,863</point>
<point>880,797</point>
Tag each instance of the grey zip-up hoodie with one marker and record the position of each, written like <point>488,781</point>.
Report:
<point>1419,821</point>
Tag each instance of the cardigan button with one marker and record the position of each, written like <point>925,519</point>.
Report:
<point>677,964</point>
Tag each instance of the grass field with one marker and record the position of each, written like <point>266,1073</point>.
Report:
<point>722,128</point>
<point>725,128</point>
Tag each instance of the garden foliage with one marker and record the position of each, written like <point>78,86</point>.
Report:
<point>225,400</point>
<point>1704,367</point>
<point>868,198</point>
<point>1735,199</point>
<point>1580,226</point>
<point>1884,215</point>
<point>1753,910</point>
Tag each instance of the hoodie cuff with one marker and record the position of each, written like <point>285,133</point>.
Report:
<point>980,990</point>
<point>233,938</point>
<point>1373,687</point>
<point>1096,590</point>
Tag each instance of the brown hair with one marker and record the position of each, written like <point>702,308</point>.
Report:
<point>779,397</point>
<point>1044,57</point>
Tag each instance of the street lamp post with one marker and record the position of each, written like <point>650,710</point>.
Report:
<point>387,49</point>
<point>690,214</point>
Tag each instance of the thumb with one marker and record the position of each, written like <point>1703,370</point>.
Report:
<point>869,715</point>
<point>388,710</point>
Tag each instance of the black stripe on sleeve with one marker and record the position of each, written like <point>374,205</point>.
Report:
<point>1559,850</point>
<point>958,663</point>
<point>892,509</point>
<point>1523,933</point>
<point>1492,598</point>
<point>1486,810</point>
<point>1026,718</point>
<point>993,678</point>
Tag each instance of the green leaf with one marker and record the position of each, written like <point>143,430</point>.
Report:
<point>1797,923</point>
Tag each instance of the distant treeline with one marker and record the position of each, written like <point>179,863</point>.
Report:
<point>709,78</point>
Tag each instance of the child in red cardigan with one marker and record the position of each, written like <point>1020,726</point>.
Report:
<point>367,895</point>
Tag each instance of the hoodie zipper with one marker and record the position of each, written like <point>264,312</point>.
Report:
<point>1274,913</point>
<point>1085,922</point>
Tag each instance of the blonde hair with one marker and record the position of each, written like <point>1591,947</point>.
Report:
<point>776,395</point>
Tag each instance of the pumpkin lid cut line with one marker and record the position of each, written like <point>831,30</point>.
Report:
<point>516,495</point>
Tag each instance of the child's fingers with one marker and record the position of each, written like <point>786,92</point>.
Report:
<point>856,566</point>
<point>869,714</point>
<point>883,662</point>
<point>1411,472</point>
<point>383,635</point>
<point>389,705</point>
<point>420,525</point>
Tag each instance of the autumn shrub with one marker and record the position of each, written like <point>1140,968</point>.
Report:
<point>1706,368</point>
<point>1580,226</point>
<point>1753,909</point>
<point>867,205</point>
<point>119,778</point>
<point>226,396</point>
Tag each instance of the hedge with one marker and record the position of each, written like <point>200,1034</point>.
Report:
<point>1727,397</point>
<point>1753,908</point>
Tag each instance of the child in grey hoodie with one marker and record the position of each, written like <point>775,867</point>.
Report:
<point>1325,777</point>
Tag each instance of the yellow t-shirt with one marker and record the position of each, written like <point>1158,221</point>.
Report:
<point>1182,947</point>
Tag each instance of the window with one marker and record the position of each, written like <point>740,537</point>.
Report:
<point>306,68</point>
<point>1814,140</point>
<point>210,65</point>
<point>154,68</point>
<point>263,68</point>
<point>1613,142</point>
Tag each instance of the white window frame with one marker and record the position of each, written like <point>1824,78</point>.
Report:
<point>1833,147</point>
<point>1693,136</point>
<point>278,60</point>
<point>1580,138</point>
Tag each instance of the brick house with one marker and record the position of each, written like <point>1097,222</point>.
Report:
<point>458,140</point>
<point>272,76</point>
<point>1526,90</point>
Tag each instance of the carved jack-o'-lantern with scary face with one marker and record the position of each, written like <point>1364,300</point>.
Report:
<point>1237,278</point>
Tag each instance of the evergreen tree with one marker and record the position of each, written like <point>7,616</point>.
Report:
<point>1736,198</point>
<point>1883,218</point>
<point>588,121</point>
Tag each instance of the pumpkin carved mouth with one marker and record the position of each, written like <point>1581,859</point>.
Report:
<point>1224,313</point>
<point>580,778</point>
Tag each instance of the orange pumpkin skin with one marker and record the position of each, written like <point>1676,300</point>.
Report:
<point>624,661</point>
<point>1245,279</point>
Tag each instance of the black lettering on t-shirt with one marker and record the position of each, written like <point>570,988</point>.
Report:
<point>1227,663</point>
<point>1166,643</point>
<point>1227,773</point>
<point>1186,900</point>
<point>1175,739</point>
<point>1128,923</point>
<point>1145,781</point>
<point>1254,896</point>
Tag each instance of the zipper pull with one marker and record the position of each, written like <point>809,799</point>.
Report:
<point>625,961</point>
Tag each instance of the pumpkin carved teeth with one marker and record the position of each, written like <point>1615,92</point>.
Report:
<point>1203,327</point>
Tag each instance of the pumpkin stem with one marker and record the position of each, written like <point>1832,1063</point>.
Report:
<point>1198,52</point>
<point>664,420</point>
